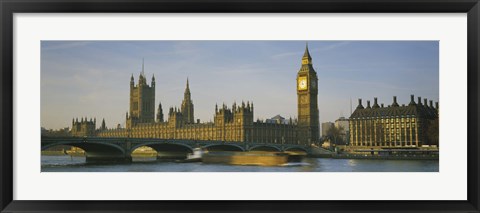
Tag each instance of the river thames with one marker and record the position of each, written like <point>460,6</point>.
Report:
<point>78,164</point>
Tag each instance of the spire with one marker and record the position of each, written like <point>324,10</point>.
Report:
<point>103,124</point>
<point>306,59</point>
<point>307,53</point>
<point>143,67</point>
<point>187,92</point>
<point>153,80</point>
<point>160,113</point>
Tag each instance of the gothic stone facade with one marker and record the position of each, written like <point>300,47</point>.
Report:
<point>413,125</point>
<point>84,127</point>
<point>235,124</point>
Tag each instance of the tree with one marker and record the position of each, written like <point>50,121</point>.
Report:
<point>335,134</point>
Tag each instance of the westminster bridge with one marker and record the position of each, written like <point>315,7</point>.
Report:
<point>120,149</point>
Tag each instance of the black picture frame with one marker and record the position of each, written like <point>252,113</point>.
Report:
<point>9,7</point>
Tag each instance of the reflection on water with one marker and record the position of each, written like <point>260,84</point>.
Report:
<point>352,162</point>
<point>78,164</point>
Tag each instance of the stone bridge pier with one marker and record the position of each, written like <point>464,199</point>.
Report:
<point>106,158</point>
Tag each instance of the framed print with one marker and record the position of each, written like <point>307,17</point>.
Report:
<point>254,106</point>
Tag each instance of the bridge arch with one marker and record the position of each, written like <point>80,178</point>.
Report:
<point>95,151</point>
<point>265,148</point>
<point>224,147</point>
<point>166,150</point>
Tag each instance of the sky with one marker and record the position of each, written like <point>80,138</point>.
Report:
<point>92,78</point>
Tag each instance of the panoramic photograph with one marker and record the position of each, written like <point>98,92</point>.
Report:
<point>239,106</point>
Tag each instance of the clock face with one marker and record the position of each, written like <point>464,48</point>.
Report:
<point>313,84</point>
<point>302,83</point>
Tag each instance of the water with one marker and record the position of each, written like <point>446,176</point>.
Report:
<point>78,164</point>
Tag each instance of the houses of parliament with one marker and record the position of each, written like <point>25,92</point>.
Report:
<point>230,124</point>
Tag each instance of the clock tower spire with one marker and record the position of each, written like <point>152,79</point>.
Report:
<point>306,59</point>
<point>307,93</point>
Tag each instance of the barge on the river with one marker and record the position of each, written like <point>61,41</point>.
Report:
<point>255,158</point>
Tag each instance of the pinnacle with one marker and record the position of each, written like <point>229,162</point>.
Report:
<point>307,53</point>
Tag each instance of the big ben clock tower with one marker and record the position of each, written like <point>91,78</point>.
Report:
<point>307,92</point>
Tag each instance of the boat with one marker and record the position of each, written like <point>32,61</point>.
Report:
<point>196,156</point>
<point>255,158</point>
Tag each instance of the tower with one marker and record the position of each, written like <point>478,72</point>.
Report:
<point>142,101</point>
<point>160,113</point>
<point>104,127</point>
<point>307,93</point>
<point>243,121</point>
<point>187,106</point>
